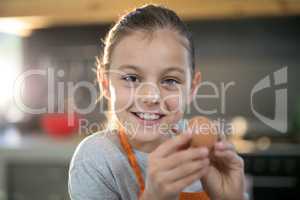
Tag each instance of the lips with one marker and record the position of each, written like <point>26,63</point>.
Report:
<point>147,118</point>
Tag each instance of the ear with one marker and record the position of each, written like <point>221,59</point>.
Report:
<point>103,82</point>
<point>196,80</point>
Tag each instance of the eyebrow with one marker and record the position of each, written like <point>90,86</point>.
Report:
<point>180,70</point>
<point>129,67</point>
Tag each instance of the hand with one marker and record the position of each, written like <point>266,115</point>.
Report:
<point>171,168</point>
<point>225,179</point>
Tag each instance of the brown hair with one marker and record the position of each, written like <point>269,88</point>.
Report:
<point>147,18</point>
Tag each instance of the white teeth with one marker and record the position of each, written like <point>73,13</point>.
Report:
<point>148,116</point>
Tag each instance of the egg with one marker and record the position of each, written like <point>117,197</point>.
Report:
<point>204,133</point>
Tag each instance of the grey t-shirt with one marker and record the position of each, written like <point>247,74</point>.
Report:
<point>99,170</point>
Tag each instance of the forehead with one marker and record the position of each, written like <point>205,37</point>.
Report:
<point>157,51</point>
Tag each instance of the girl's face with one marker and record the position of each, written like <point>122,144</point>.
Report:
<point>150,82</point>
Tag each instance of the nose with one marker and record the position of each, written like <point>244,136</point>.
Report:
<point>149,93</point>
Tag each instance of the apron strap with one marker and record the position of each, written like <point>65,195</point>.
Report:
<point>193,196</point>
<point>132,159</point>
<point>138,172</point>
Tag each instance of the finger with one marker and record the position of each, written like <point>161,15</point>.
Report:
<point>221,136</point>
<point>174,132</point>
<point>173,145</point>
<point>223,146</point>
<point>186,169</point>
<point>182,183</point>
<point>229,158</point>
<point>184,156</point>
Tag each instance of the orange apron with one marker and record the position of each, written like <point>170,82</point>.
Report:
<point>136,168</point>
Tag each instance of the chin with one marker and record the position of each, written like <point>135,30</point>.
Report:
<point>143,132</point>
<point>147,134</point>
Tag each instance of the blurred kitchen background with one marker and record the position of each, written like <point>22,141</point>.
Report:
<point>50,46</point>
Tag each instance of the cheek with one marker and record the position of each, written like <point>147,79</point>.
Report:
<point>174,101</point>
<point>122,96</point>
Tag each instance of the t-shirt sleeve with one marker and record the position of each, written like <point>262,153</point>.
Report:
<point>86,182</point>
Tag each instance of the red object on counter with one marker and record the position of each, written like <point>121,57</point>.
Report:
<point>58,125</point>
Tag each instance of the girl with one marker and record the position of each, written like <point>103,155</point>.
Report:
<point>147,74</point>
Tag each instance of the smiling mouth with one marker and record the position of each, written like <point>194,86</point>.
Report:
<point>148,116</point>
